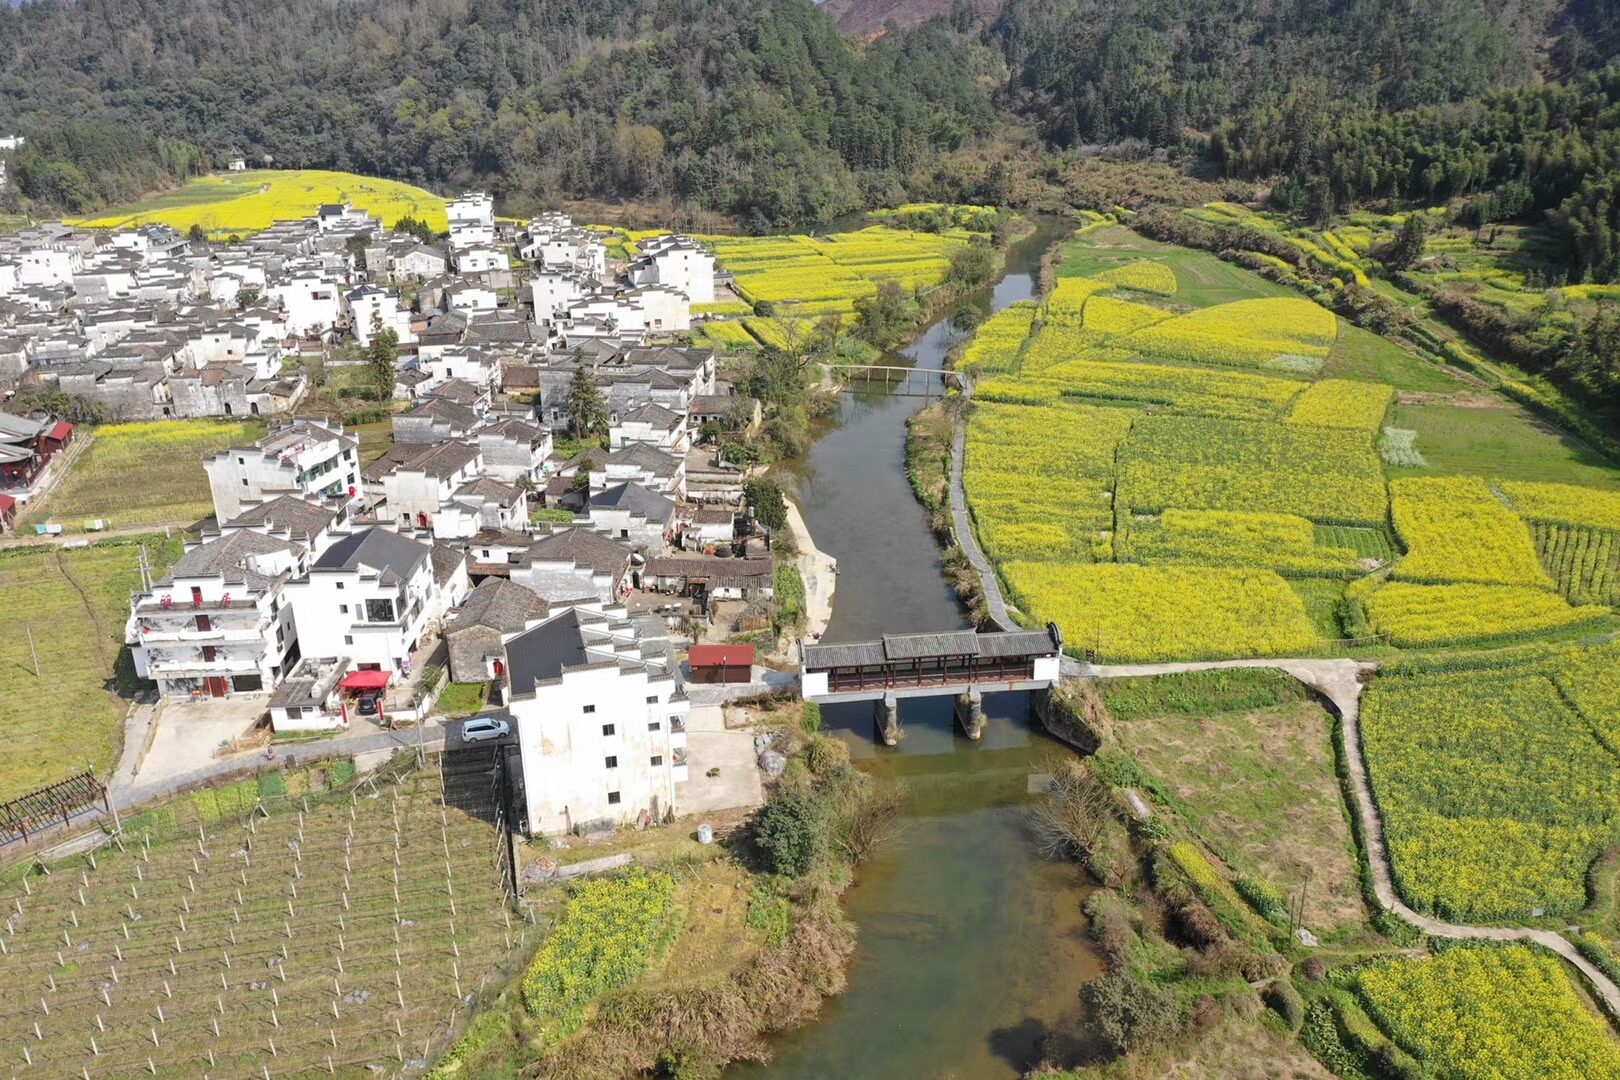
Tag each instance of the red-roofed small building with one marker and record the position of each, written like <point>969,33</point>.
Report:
<point>721,663</point>
<point>8,513</point>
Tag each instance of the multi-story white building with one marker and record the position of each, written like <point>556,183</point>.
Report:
<point>372,310</point>
<point>218,624</point>
<point>369,597</point>
<point>678,262</point>
<point>312,303</point>
<point>599,715</point>
<point>304,458</point>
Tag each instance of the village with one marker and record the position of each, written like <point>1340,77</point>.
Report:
<point>591,609</point>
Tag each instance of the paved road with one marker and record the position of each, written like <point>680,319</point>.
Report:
<point>1340,682</point>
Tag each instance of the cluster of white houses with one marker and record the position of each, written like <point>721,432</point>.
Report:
<point>144,323</point>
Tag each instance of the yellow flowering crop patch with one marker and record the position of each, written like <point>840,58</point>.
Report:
<point>1198,463</point>
<point>1590,679</point>
<point>1144,275</point>
<point>1039,480</point>
<point>1105,315</point>
<point>1493,1013</point>
<point>1565,504</point>
<point>1232,394</point>
<point>1455,529</point>
<point>1233,538</point>
<point>996,344</point>
<point>729,335</point>
<point>723,307</point>
<point>1060,342</point>
<point>839,267</point>
<point>1244,332</point>
<point>1422,616</point>
<point>249,201</point>
<point>1343,403</point>
<point>1150,613</point>
<point>1495,796</point>
<point>1066,303</point>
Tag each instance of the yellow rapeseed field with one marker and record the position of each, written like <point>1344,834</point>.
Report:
<point>1455,529</point>
<point>248,201</point>
<point>1343,403</point>
<point>1565,504</point>
<point>1422,616</point>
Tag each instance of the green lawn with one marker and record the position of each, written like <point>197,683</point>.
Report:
<point>1502,443</point>
<point>143,474</point>
<point>1362,354</point>
<point>463,699</point>
<point>75,603</point>
<point>1202,279</point>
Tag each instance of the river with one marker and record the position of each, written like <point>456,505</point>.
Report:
<point>972,949</point>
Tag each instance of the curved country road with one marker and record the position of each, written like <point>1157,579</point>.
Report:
<point>1340,682</point>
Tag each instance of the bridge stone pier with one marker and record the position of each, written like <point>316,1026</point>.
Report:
<point>964,664</point>
<point>970,712</point>
<point>886,715</point>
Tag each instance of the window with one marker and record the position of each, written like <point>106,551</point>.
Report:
<point>655,726</point>
<point>611,762</point>
<point>348,639</point>
<point>613,798</point>
<point>607,731</point>
<point>652,699</point>
<point>343,609</point>
<point>244,481</point>
<point>589,709</point>
<point>657,759</point>
<point>380,610</point>
<point>340,584</point>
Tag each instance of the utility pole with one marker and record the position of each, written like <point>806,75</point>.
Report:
<point>33,651</point>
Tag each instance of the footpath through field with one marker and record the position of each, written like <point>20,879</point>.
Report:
<point>1340,682</point>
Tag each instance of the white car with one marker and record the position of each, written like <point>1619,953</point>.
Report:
<point>482,728</point>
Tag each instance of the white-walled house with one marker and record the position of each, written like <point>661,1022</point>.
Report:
<point>664,308</point>
<point>217,623</point>
<point>304,458</point>
<point>600,718</point>
<point>369,597</point>
<point>678,262</point>
<point>372,309</point>
<point>473,207</point>
<point>479,258</point>
<point>312,303</point>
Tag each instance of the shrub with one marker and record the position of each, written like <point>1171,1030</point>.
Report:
<point>792,831</point>
<point>811,717</point>
<point>1314,969</point>
<point>824,752</point>
<point>1131,1014</point>
<point>1262,896</point>
<point>1285,1000</point>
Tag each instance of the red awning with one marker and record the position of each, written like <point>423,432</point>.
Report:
<point>707,656</point>
<point>60,431</point>
<point>366,680</point>
<point>7,505</point>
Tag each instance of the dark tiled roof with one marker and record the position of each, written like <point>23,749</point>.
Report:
<point>377,549</point>
<point>287,512</point>
<point>500,605</point>
<point>636,499</point>
<point>583,547</point>
<point>542,653</point>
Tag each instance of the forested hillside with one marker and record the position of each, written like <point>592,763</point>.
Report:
<point>761,108</point>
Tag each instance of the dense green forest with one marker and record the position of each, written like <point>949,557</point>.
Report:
<point>760,108</point>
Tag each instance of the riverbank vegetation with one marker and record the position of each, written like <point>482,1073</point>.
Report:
<point>1211,858</point>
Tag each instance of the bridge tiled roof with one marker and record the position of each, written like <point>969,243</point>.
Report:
<point>900,648</point>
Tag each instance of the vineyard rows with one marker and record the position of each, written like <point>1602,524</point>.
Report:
<point>268,944</point>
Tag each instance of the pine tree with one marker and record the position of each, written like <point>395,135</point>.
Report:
<point>587,410</point>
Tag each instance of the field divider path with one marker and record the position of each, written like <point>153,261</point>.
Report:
<point>963,526</point>
<point>1340,682</point>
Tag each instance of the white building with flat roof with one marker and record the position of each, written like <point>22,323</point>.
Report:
<point>600,717</point>
<point>310,459</point>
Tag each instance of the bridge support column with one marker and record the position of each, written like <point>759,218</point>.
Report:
<point>1040,707</point>
<point>886,715</point>
<point>970,712</point>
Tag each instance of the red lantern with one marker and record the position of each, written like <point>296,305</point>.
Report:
<point>225,600</point>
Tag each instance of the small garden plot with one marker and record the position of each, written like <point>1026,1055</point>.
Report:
<point>1423,616</point>
<point>1493,1012</point>
<point>144,474</point>
<point>1150,613</point>
<point>1342,403</point>
<point>1456,530</point>
<point>1584,562</point>
<point>338,934</point>
<point>1247,333</point>
<point>1282,542</point>
<point>1324,474</point>
<point>1398,447</point>
<point>1039,480</point>
<point>1495,795</point>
